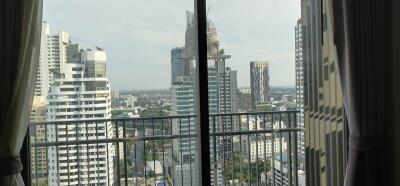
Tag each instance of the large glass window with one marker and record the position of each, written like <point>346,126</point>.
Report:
<point>251,50</point>
<point>117,84</point>
<point>137,92</point>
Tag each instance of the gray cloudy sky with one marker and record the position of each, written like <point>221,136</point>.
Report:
<point>139,34</point>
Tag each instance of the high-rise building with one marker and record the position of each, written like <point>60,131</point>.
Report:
<point>222,97</point>
<point>183,103</point>
<point>37,133</point>
<point>130,101</point>
<point>259,81</point>
<point>280,170</point>
<point>177,62</point>
<point>299,89</point>
<point>52,54</point>
<point>228,89</point>
<point>244,99</point>
<point>39,110</point>
<point>80,91</point>
<point>325,135</point>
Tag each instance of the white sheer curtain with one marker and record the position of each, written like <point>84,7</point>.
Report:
<point>20,27</point>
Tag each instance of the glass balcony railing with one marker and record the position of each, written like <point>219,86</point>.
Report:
<point>245,149</point>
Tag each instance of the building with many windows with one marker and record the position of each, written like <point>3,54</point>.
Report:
<point>38,155</point>
<point>259,148</point>
<point>81,91</point>
<point>299,88</point>
<point>259,82</point>
<point>346,65</point>
<point>280,170</point>
<point>325,135</point>
<point>244,99</point>
<point>177,62</point>
<point>131,101</point>
<point>183,103</point>
<point>222,83</point>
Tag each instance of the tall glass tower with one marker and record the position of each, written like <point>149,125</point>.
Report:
<point>222,96</point>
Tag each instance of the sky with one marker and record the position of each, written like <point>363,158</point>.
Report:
<point>138,35</point>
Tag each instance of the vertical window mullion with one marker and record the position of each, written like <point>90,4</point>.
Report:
<point>202,77</point>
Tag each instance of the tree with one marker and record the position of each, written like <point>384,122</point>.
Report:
<point>150,173</point>
<point>122,168</point>
<point>115,113</point>
<point>236,168</point>
<point>263,166</point>
<point>149,154</point>
<point>153,111</point>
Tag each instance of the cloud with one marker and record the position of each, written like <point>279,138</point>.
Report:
<point>138,35</point>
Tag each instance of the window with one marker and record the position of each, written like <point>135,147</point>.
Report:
<point>134,92</point>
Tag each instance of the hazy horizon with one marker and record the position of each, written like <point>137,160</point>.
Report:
<point>138,36</point>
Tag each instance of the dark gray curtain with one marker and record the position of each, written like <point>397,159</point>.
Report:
<point>20,26</point>
<point>361,37</point>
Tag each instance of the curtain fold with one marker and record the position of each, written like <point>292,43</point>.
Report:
<point>20,27</point>
<point>360,32</point>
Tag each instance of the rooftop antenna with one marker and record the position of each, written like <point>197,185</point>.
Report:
<point>208,9</point>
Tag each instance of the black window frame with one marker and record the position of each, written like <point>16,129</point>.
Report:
<point>203,112</point>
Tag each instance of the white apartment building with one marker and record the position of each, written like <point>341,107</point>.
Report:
<point>52,55</point>
<point>114,94</point>
<point>261,147</point>
<point>130,101</point>
<point>81,91</point>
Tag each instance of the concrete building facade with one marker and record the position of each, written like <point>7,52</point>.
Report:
<point>37,134</point>
<point>222,82</point>
<point>52,55</point>
<point>324,121</point>
<point>261,147</point>
<point>244,99</point>
<point>80,92</point>
<point>299,89</point>
<point>259,82</point>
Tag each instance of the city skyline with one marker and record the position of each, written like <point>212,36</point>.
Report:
<point>80,90</point>
<point>130,33</point>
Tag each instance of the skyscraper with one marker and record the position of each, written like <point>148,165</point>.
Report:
<point>183,103</point>
<point>259,82</point>
<point>325,135</point>
<point>299,88</point>
<point>229,90</point>
<point>177,62</point>
<point>80,91</point>
<point>222,97</point>
<point>52,54</point>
